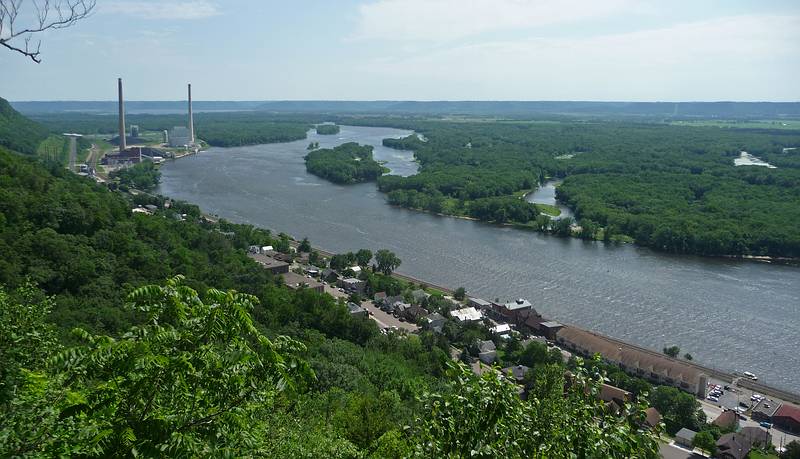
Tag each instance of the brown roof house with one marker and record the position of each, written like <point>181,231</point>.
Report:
<point>614,397</point>
<point>787,417</point>
<point>738,444</point>
<point>635,361</point>
<point>727,420</point>
<point>652,417</point>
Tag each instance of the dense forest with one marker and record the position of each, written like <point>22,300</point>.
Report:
<point>129,334</point>
<point>327,129</point>
<point>216,129</point>
<point>346,163</point>
<point>673,188</point>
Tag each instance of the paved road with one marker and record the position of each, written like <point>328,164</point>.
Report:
<point>383,319</point>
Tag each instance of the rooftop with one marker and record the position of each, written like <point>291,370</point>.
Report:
<point>469,314</point>
<point>631,357</point>
<point>294,280</point>
<point>788,410</point>
<point>520,303</point>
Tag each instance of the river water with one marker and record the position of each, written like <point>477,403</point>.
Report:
<point>729,315</point>
<point>546,194</point>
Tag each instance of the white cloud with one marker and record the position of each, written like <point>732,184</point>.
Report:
<point>191,9</point>
<point>734,58</point>
<point>453,19</point>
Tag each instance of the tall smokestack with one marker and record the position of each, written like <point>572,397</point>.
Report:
<point>191,119</point>
<point>122,145</point>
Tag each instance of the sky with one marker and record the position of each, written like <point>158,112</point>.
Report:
<point>604,50</point>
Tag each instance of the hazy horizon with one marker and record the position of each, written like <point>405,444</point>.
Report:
<point>420,50</point>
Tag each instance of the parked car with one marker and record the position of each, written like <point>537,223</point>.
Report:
<point>765,424</point>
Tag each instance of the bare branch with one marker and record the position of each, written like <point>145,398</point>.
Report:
<point>44,15</point>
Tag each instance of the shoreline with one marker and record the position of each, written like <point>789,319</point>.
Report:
<point>724,375</point>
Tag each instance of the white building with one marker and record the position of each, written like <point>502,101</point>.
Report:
<point>469,314</point>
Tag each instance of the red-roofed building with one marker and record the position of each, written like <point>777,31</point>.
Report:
<point>787,417</point>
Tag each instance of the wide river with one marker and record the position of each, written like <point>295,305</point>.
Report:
<point>730,315</point>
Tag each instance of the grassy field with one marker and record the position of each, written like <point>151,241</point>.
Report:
<point>547,209</point>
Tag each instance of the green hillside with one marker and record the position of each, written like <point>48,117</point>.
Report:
<point>17,132</point>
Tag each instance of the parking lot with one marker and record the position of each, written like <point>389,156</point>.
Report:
<point>731,398</point>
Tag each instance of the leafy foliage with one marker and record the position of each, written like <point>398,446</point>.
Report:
<point>184,383</point>
<point>483,416</point>
<point>143,176</point>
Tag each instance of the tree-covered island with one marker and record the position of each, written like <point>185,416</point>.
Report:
<point>327,129</point>
<point>347,163</point>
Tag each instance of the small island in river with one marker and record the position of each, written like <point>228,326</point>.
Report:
<point>347,163</point>
<point>327,129</point>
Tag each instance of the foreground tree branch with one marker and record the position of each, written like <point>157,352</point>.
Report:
<point>21,20</point>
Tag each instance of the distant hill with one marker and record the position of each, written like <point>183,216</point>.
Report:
<point>671,110</point>
<point>17,132</point>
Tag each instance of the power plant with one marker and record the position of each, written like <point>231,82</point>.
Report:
<point>179,136</point>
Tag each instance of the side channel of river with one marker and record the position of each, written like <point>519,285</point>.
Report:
<point>730,315</point>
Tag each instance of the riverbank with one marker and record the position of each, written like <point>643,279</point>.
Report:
<point>727,377</point>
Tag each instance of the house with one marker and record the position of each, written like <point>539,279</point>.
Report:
<point>356,269</point>
<point>388,302</point>
<point>270,264</point>
<point>352,285</point>
<point>329,275</point>
<point>636,361</point>
<point>787,417</point>
<point>487,352</point>
<point>419,296</point>
<point>469,314</point>
<point>415,312</point>
<point>356,310</point>
<point>435,322</point>
<point>296,281</point>
<point>652,417</point>
<point>399,308</point>
<point>517,372</point>
<point>684,437</point>
<point>511,311</point>
<point>141,210</point>
<point>614,397</point>
<point>550,329</point>
<point>737,445</point>
<point>479,304</point>
<point>727,420</point>
<point>503,330</point>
